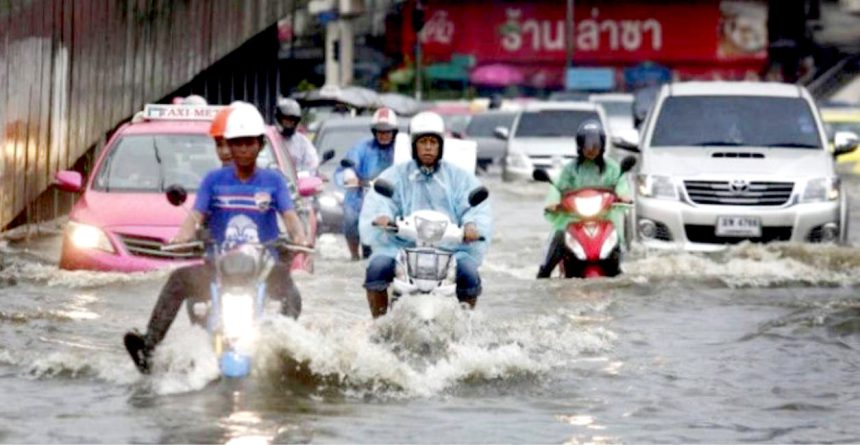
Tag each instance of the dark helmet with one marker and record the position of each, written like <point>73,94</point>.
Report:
<point>590,132</point>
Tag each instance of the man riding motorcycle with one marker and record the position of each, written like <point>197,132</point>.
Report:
<point>590,169</point>
<point>427,183</point>
<point>288,114</point>
<point>239,203</point>
<point>369,157</point>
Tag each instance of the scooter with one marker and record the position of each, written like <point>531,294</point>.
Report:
<point>427,268</point>
<point>591,241</point>
<point>237,293</point>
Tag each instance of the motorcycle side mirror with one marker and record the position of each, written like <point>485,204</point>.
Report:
<point>327,156</point>
<point>478,196</point>
<point>627,164</point>
<point>347,163</point>
<point>384,188</point>
<point>176,195</point>
<point>541,175</point>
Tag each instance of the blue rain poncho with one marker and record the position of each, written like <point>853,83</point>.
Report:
<point>370,160</point>
<point>445,190</point>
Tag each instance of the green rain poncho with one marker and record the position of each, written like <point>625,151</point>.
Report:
<point>588,174</point>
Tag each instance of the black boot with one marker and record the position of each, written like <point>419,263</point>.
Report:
<point>140,351</point>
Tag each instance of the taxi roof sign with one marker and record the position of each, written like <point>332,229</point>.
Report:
<point>162,112</point>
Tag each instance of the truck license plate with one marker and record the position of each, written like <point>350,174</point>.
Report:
<point>739,226</point>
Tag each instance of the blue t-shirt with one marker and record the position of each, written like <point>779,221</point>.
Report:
<point>239,212</point>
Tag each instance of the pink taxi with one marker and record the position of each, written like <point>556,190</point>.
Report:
<point>122,217</point>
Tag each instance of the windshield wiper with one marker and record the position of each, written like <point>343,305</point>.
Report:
<point>792,145</point>
<point>718,144</point>
<point>160,168</point>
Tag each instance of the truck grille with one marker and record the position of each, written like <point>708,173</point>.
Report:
<point>739,193</point>
<point>150,248</point>
<point>708,235</point>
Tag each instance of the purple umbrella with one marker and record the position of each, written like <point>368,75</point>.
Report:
<point>497,75</point>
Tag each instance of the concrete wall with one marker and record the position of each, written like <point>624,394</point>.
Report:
<point>72,70</point>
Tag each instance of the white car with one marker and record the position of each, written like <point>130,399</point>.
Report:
<point>725,162</point>
<point>543,135</point>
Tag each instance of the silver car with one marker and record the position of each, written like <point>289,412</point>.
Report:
<point>481,127</point>
<point>725,162</point>
<point>543,135</point>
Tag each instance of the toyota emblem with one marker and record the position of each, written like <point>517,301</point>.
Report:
<point>739,186</point>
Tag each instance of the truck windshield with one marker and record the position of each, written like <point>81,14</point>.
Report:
<point>151,163</point>
<point>552,123</point>
<point>753,121</point>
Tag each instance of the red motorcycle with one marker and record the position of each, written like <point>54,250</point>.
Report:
<point>591,245</point>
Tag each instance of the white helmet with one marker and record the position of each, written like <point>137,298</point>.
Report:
<point>194,99</point>
<point>384,119</point>
<point>244,121</point>
<point>427,123</point>
<point>287,107</point>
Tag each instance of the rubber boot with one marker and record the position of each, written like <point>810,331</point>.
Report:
<point>139,350</point>
<point>378,302</point>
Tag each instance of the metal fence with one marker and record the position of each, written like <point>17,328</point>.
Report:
<point>72,70</point>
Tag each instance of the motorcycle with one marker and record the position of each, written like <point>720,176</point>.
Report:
<point>426,268</point>
<point>591,242</point>
<point>237,292</point>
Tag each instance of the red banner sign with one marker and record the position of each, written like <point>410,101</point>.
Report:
<point>610,33</point>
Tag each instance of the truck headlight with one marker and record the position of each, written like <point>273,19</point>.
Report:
<point>84,236</point>
<point>655,186</point>
<point>821,190</point>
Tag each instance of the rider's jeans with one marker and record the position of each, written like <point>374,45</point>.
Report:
<point>192,282</point>
<point>380,273</point>
<point>350,223</point>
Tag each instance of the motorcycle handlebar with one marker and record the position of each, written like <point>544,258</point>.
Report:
<point>278,242</point>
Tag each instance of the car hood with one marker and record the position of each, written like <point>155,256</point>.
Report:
<point>129,212</point>
<point>699,161</point>
<point>544,146</point>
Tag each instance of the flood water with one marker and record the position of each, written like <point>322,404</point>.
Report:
<point>754,344</point>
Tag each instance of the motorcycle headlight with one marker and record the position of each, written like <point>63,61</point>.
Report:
<point>237,316</point>
<point>655,186</point>
<point>821,190</point>
<point>430,231</point>
<point>84,236</point>
<point>589,206</point>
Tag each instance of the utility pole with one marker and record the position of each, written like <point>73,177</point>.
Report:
<point>417,25</point>
<point>568,41</point>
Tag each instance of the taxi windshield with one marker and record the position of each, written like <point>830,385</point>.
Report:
<point>151,163</point>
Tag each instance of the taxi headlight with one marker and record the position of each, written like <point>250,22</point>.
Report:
<point>821,190</point>
<point>84,236</point>
<point>655,186</point>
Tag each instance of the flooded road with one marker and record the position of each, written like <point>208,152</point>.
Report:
<point>755,344</point>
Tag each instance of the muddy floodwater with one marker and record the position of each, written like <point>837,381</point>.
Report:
<point>753,344</point>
